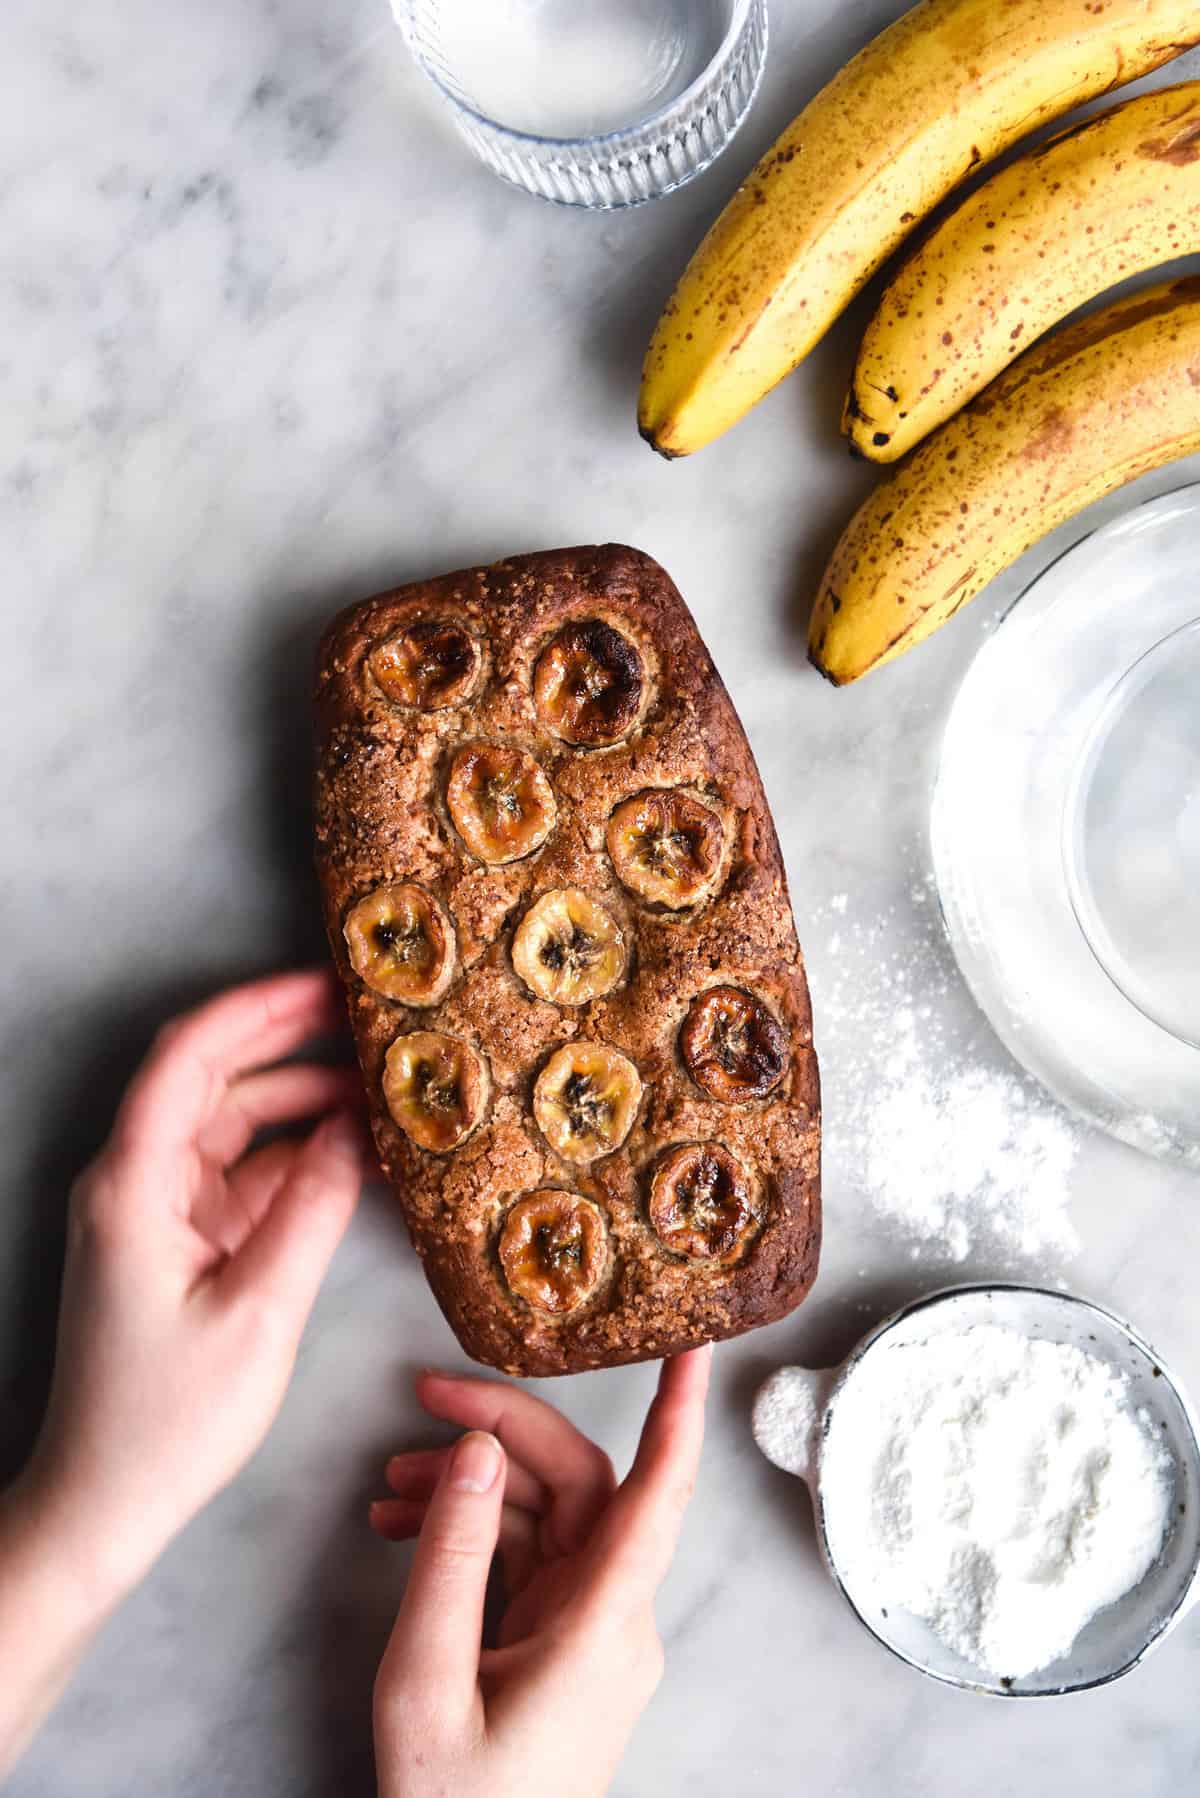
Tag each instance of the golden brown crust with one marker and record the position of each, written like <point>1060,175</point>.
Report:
<point>381,817</point>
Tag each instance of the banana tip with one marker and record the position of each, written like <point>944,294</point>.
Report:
<point>822,670</point>
<point>646,433</point>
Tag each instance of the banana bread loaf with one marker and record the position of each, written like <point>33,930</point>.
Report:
<point>555,896</point>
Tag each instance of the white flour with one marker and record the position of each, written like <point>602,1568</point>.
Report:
<point>956,1152</point>
<point>999,1487</point>
<point>787,1411</point>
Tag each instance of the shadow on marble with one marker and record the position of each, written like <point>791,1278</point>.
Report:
<point>345,1630</point>
<point>781,1495</point>
<point>337,1639</point>
<point>112,1037</point>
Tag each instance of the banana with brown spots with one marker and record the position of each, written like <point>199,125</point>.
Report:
<point>1108,198</point>
<point>947,87</point>
<point>1079,414</point>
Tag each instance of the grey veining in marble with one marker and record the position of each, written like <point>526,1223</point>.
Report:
<point>269,339</point>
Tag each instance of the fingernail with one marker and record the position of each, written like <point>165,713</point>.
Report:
<point>475,1463</point>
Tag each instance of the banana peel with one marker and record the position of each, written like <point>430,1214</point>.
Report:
<point>1091,407</point>
<point>944,89</point>
<point>1111,197</point>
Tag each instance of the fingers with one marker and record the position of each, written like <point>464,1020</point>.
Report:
<point>416,1475</point>
<point>183,1080</point>
<point>400,1519</point>
<point>637,1536</point>
<point>577,1475</point>
<point>278,1096</point>
<point>253,1185</point>
<point>431,1666</point>
<point>224,1212</point>
<point>284,1259</point>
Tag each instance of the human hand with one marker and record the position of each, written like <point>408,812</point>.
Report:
<point>547,1713</point>
<point>191,1269</point>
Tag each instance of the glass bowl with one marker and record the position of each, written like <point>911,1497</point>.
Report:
<point>600,103</point>
<point>1065,827</point>
<point>1131,839</point>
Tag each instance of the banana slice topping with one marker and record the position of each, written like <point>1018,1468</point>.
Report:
<point>701,1203</point>
<point>569,948</point>
<point>554,1249</point>
<point>588,684</point>
<point>432,663</point>
<point>667,847</point>
<point>436,1088</point>
<point>733,1046</point>
<point>585,1101</point>
<point>500,800</point>
<point>401,944</point>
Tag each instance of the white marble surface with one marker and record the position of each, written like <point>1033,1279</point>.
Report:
<point>269,340</point>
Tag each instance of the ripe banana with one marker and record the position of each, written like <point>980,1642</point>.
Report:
<point>945,88</point>
<point>1105,199</point>
<point>1089,408</point>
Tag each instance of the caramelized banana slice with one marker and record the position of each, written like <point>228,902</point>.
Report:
<point>585,1101</point>
<point>700,1202</point>
<point>432,664</point>
<point>501,802</point>
<point>733,1046</point>
<point>588,684</point>
<point>436,1088</point>
<point>569,949</point>
<point>553,1249</point>
<point>402,944</point>
<point>667,847</point>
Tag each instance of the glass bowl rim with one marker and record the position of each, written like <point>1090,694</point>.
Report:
<point>1175,1143</point>
<point>611,140</point>
<point>1072,823</point>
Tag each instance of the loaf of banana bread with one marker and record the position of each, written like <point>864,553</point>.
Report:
<point>555,896</point>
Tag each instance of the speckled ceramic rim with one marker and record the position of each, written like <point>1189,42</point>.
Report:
<point>613,169</point>
<point>1188,1587</point>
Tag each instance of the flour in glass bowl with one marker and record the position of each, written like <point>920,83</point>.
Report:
<point>998,1486</point>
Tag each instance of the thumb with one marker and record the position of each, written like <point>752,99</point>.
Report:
<point>431,1665</point>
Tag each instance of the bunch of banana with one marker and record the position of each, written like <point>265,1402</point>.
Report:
<point>1090,408</point>
<point>947,87</point>
<point>1105,199</point>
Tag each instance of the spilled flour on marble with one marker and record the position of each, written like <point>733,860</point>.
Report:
<point>999,1487</point>
<point>954,1149</point>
